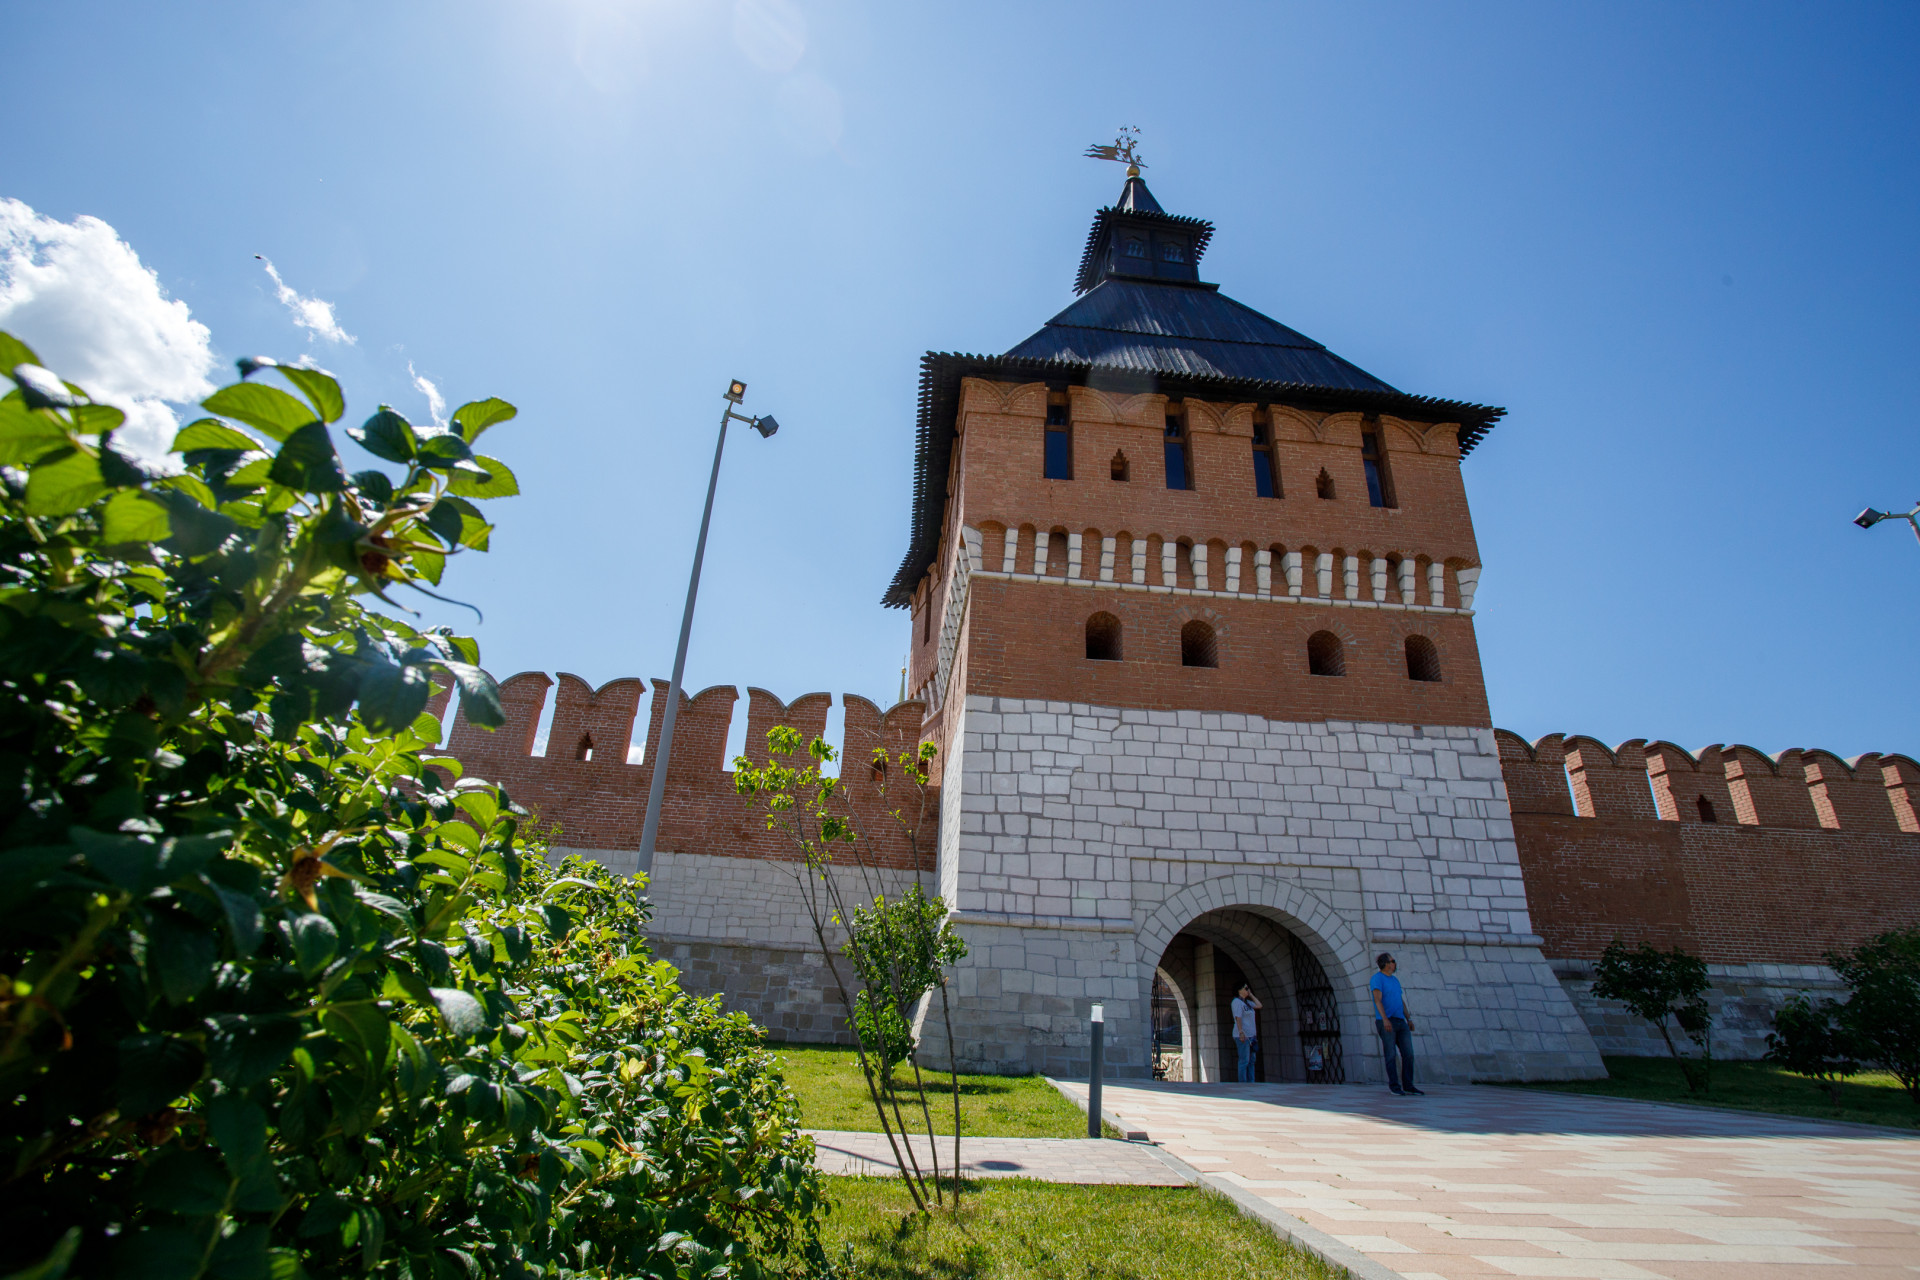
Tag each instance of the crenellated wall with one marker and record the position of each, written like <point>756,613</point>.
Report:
<point>1759,864</point>
<point>584,784</point>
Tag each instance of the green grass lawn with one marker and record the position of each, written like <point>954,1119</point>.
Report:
<point>833,1095</point>
<point>1753,1086</point>
<point>1012,1229</point>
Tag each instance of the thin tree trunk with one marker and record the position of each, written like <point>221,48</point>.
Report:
<point>953,1071</point>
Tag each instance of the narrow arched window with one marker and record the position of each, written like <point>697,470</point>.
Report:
<point>1324,485</point>
<point>1266,475</point>
<point>585,750</point>
<point>1199,647</point>
<point>1120,466</point>
<point>1103,638</point>
<point>1326,656</point>
<point>1058,461</point>
<point>1706,809</point>
<point>1178,461</point>
<point>1423,660</point>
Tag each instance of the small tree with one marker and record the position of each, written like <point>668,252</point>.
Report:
<point>896,949</point>
<point>1658,985</point>
<point>1882,1012</point>
<point>1809,1039</point>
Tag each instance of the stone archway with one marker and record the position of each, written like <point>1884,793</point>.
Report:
<point>1300,956</point>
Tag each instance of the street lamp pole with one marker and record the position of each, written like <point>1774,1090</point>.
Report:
<point>1869,518</point>
<point>656,789</point>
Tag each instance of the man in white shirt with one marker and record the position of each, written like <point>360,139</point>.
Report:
<point>1246,1030</point>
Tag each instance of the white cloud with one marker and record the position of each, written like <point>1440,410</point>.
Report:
<point>436,403</point>
<point>80,297</point>
<point>315,315</point>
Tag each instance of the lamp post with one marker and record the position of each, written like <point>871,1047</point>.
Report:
<point>1869,518</point>
<point>1099,1068</point>
<point>736,392</point>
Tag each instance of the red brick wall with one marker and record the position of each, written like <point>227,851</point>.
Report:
<point>601,803</point>
<point>1823,873</point>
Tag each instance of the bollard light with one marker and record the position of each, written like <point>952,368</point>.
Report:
<point>1097,1068</point>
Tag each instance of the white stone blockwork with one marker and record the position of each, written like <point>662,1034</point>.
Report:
<point>738,901</point>
<point>1079,841</point>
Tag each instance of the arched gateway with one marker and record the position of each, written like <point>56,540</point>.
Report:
<point>1213,798</point>
<point>1308,969</point>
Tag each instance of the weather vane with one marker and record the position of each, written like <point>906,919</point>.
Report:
<point>1125,147</point>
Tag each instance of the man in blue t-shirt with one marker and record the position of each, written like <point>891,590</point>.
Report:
<point>1395,1027</point>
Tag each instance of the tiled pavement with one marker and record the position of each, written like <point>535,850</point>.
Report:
<point>1474,1181</point>
<point>1048,1159</point>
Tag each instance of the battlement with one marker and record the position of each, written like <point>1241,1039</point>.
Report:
<point>585,784</point>
<point>1797,789</point>
<point>1739,856</point>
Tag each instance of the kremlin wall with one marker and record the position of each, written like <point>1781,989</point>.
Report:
<point>1787,858</point>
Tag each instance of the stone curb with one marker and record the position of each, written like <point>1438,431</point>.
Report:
<point>1277,1220</point>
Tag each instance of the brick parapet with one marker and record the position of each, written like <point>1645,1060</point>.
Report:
<point>584,789</point>
<point>1792,855</point>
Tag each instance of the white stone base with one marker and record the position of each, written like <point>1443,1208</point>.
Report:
<point>1080,841</point>
<point>1743,999</point>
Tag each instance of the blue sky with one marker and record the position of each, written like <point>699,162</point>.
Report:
<point>1675,240</point>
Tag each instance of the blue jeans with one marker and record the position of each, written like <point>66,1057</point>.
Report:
<point>1395,1039</point>
<point>1245,1049</point>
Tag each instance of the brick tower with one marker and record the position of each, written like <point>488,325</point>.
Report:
<point>1192,609</point>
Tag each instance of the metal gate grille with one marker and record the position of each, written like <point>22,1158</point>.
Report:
<point>1319,1014</point>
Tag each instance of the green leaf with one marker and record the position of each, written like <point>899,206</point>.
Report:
<point>247,1048</point>
<point>243,919</point>
<point>476,416</point>
<point>559,920</point>
<point>315,942</point>
<point>244,1254</point>
<point>443,451</point>
<point>239,1128</point>
<point>479,695</point>
<point>60,1257</point>
<point>44,389</point>
<point>187,1182</point>
<point>133,516</point>
<point>195,531</point>
<point>182,953</point>
<point>499,482</point>
<point>154,1070</point>
<point>307,462</point>
<point>26,436</point>
<point>320,389</point>
<point>211,433</point>
<point>386,435</point>
<point>270,409</point>
<point>64,485</point>
<point>15,352</point>
<point>391,695</point>
<point>465,1018</point>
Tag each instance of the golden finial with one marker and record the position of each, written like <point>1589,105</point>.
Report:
<point>1125,147</point>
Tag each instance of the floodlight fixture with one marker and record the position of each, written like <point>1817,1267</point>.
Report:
<point>656,788</point>
<point>1869,518</point>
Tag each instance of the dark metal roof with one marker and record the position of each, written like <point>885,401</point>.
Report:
<point>1181,329</point>
<point>941,373</point>
<point>1177,337</point>
<point>1136,207</point>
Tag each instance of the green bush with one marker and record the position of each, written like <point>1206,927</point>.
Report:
<point>1810,1039</point>
<point>1658,985</point>
<point>1883,981</point>
<point>281,993</point>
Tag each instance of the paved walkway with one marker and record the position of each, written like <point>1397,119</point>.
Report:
<point>1048,1159</point>
<point>1473,1181</point>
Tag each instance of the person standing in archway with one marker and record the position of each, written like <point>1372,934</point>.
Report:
<point>1246,1029</point>
<point>1390,1018</point>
